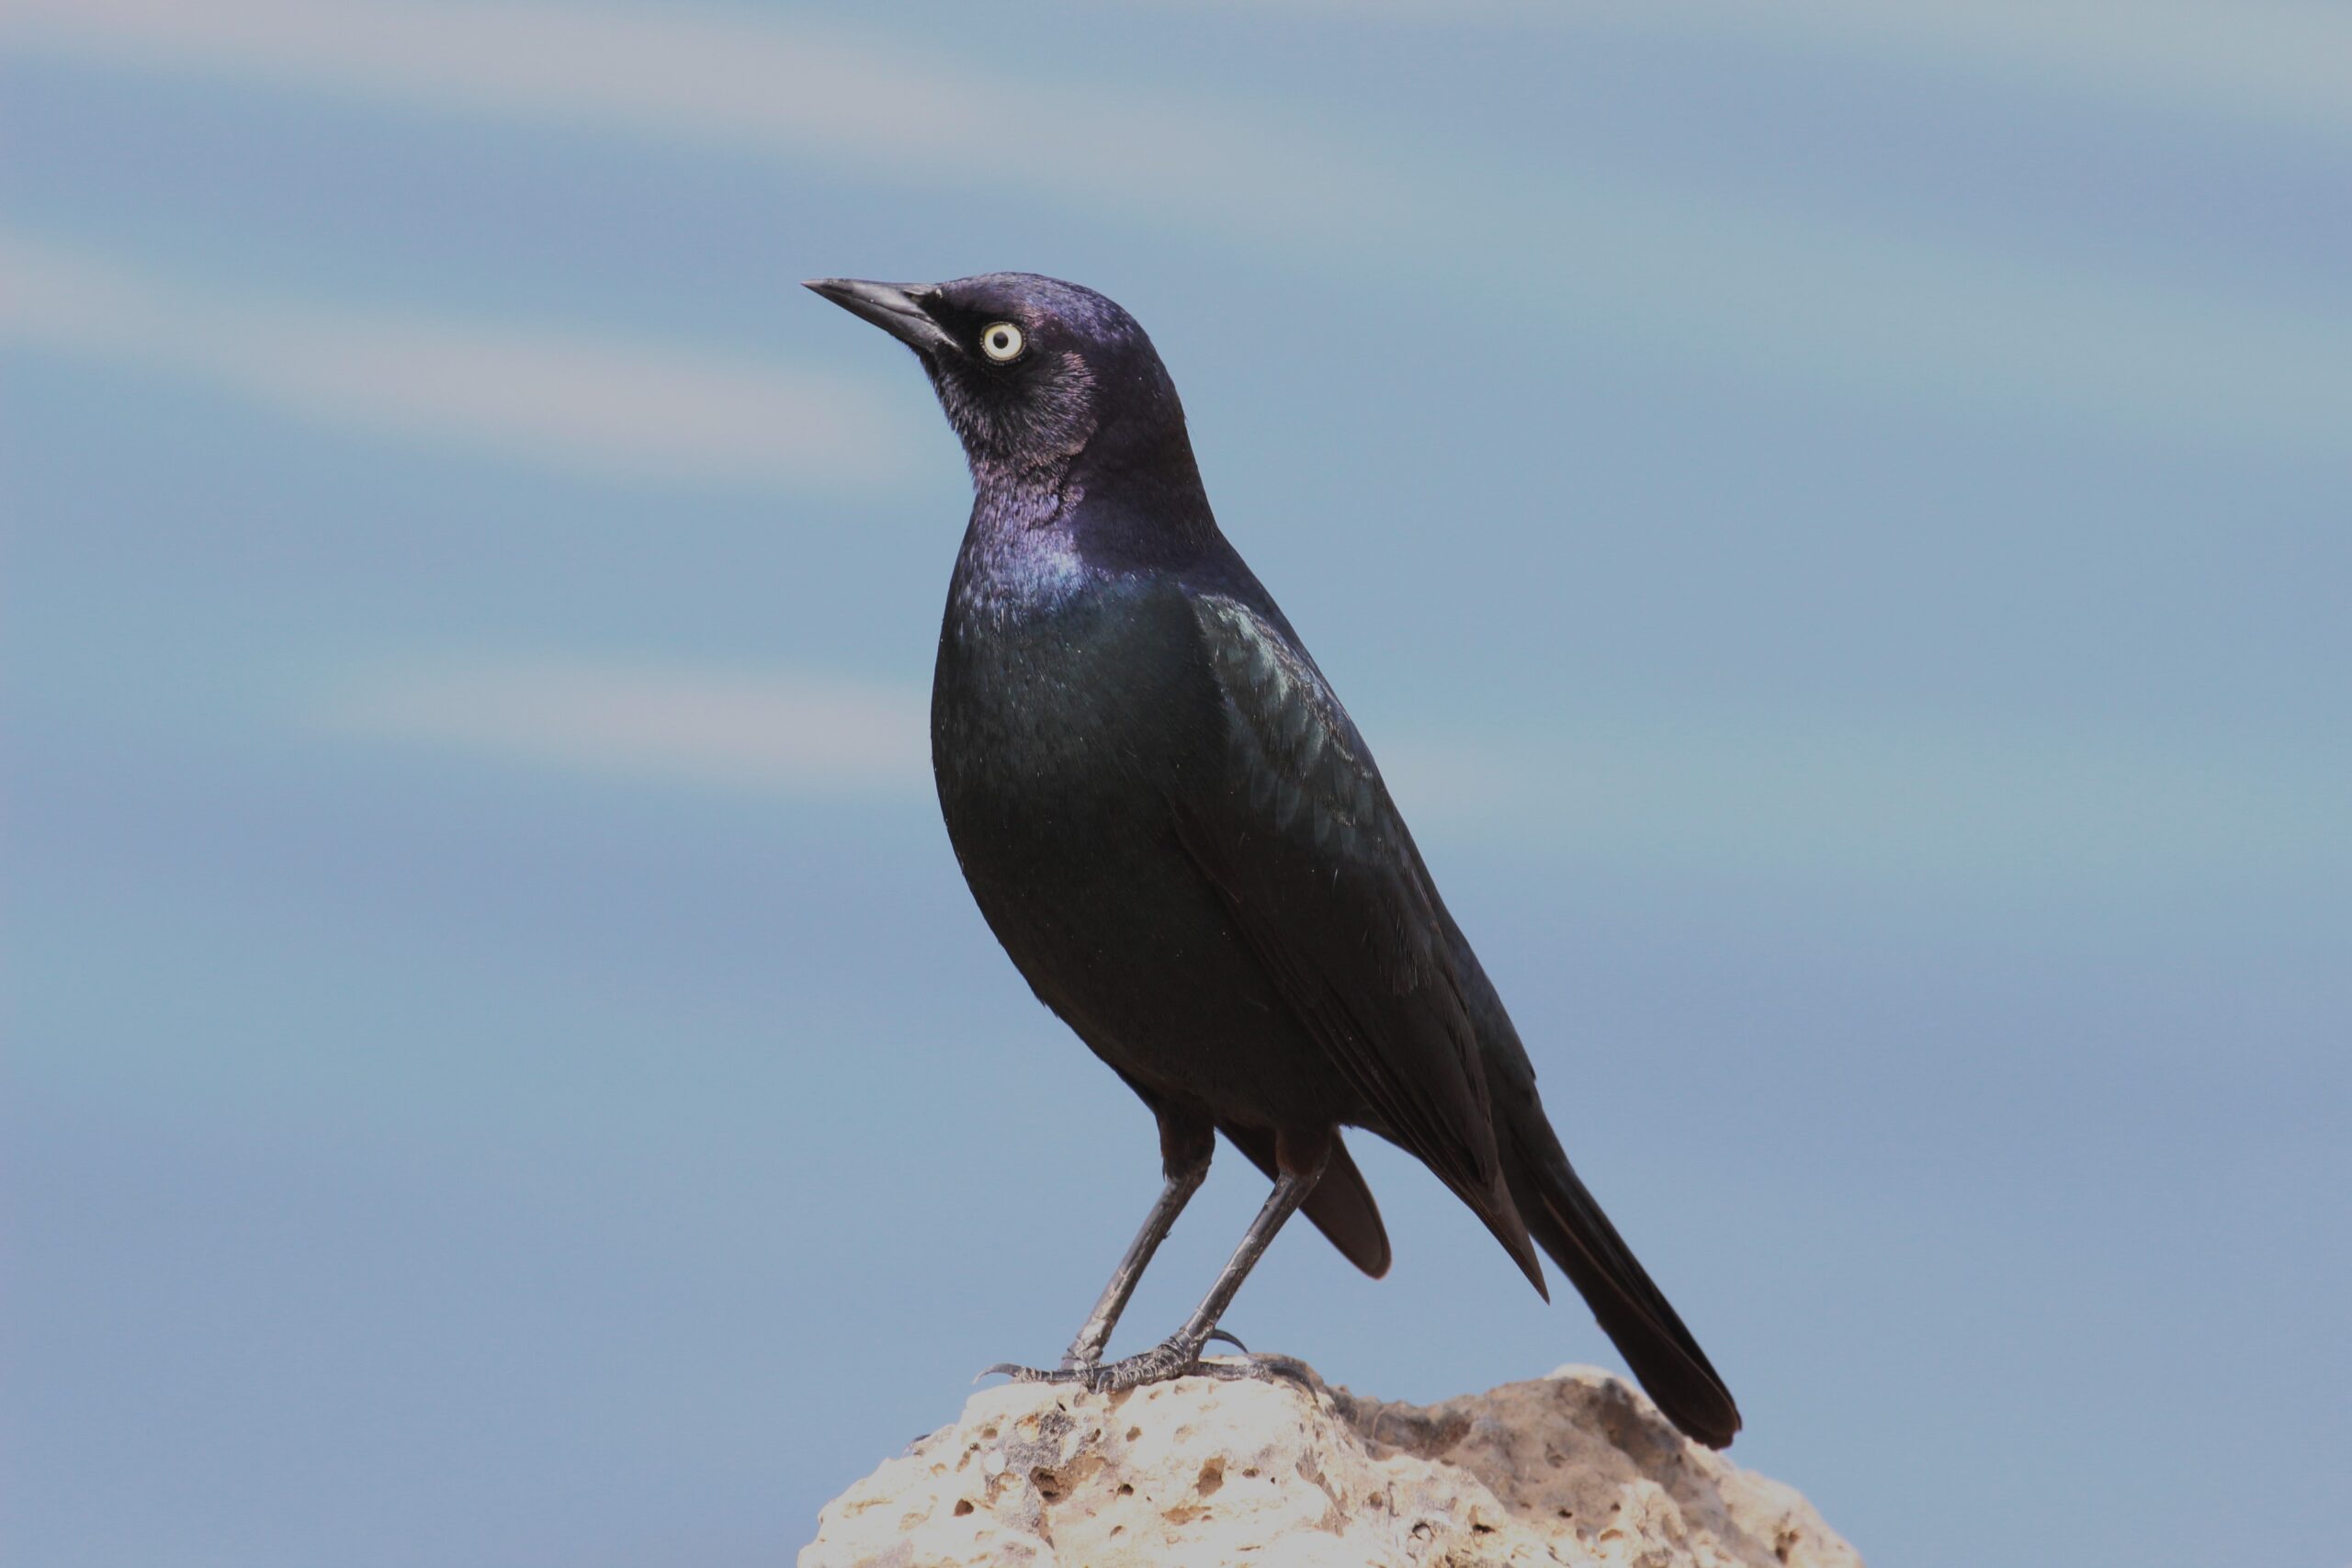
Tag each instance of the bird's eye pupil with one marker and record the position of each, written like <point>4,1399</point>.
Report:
<point>1001,342</point>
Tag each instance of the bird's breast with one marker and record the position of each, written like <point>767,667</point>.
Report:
<point>1058,704</point>
<point>1060,736</point>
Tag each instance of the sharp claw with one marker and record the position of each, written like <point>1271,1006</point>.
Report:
<point>1287,1369</point>
<point>1163,1361</point>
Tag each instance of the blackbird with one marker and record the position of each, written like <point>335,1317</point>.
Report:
<point>1181,841</point>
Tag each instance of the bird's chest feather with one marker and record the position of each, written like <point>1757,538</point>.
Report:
<point>1060,724</point>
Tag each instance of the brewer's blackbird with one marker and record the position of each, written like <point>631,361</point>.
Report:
<point>1178,836</point>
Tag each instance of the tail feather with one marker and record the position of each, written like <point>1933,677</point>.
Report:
<point>1341,1205</point>
<point>1632,1310</point>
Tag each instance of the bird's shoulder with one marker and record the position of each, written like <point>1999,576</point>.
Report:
<point>1301,809</point>
<point>1322,878</point>
<point>1293,753</point>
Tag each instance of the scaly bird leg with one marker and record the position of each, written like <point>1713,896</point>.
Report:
<point>1186,1167</point>
<point>1180,1353</point>
<point>1186,1146</point>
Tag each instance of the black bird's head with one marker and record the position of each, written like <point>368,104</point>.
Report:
<point>1037,376</point>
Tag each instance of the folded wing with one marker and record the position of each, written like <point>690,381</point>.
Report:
<point>1298,835</point>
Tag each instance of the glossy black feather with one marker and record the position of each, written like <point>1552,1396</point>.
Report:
<point>1305,847</point>
<point>1341,1205</point>
<point>1183,841</point>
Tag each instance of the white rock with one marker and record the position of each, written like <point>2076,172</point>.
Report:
<point>1575,1469</point>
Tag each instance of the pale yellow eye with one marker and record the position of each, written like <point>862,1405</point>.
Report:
<point>1001,340</point>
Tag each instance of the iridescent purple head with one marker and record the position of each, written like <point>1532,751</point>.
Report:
<point>1035,375</point>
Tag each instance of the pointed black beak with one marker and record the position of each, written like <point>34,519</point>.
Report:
<point>896,308</point>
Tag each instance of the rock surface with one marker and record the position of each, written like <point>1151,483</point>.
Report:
<point>1575,1468</point>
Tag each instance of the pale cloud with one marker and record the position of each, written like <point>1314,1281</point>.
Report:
<point>2005,809</point>
<point>596,405</point>
<point>781,732</point>
<point>1711,278</point>
<point>735,80</point>
<point>1998,807</point>
<point>2281,62</point>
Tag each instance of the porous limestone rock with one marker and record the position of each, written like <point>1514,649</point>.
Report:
<point>1575,1468</point>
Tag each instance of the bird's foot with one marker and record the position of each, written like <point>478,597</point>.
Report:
<point>1177,1357</point>
<point>1174,1358</point>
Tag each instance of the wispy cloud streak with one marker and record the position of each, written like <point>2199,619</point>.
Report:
<point>780,732</point>
<point>590,404</point>
<point>1997,809</point>
<point>2262,61</point>
<point>1710,278</point>
<point>736,80</point>
<point>1980,808</point>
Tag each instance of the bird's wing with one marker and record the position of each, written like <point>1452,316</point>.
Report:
<point>1299,836</point>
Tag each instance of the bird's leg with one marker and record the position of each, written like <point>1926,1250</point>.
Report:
<point>1185,1147</point>
<point>1299,1163</point>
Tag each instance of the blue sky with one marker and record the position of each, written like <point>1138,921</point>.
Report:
<point>1834,518</point>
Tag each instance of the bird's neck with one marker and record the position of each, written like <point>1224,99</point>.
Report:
<point>1039,535</point>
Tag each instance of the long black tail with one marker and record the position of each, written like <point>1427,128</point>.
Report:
<point>1567,1223</point>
